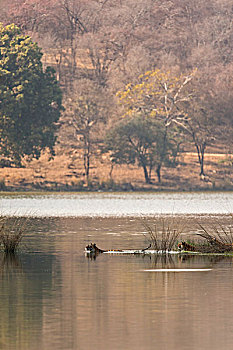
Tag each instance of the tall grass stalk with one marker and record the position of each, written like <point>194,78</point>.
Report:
<point>162,234</point>
<point>218,236</point>
<point>11,233</point>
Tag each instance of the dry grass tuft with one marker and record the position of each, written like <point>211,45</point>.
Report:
<point>219,237</point>
<point>162,233</point>
<point>11,233</point>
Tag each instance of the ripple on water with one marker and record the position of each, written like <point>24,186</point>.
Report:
<point>177,270</point>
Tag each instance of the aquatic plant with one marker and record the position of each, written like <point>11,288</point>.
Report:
<point>199,246</point>
<point>12,231</point>
<point>162,234</point>
<point>219,237</point>
<point>212,238</point>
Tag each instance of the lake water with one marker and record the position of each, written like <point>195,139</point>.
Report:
<point>52,296</point>
<point>116,204</point>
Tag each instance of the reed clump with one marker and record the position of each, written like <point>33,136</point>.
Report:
<point>218,238</point>
<point>12,231</point>
<point>162,233</point>
<point>214,238</point>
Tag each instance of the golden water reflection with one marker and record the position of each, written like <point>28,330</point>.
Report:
<point>56,298</point>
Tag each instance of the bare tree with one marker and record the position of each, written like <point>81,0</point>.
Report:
<point>86,114</point>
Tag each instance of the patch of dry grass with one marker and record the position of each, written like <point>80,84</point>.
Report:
<point>12,231</point>
<point>218,237</point>
<point>66,169</point>
<point>162,233</point>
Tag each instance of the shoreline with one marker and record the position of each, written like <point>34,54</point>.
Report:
<point>149,190</point>
<point>126,188</point>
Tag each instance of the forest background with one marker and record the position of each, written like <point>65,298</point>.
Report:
<point>113,129</point>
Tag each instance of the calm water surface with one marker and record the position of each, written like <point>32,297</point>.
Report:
<point>116,204</point>
<point>54,297</point>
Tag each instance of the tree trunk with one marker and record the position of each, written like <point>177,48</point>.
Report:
<point>86,157</point>
<point>87,166</point>
<point>158,172</point>
<point>162,155</point>
<point>147,178</point>
<point>111,171</point>
<point>202,164</point>
<point>201,152</point>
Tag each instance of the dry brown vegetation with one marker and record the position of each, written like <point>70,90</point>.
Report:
<point>162,234</point>
<point>12,231</point>
<point>216,237</point>
<point>66,172</point>
<point>97,47</point>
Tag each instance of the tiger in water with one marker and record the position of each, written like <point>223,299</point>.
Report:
<point>93,249</point>
<point>186,247</point>
<point>215,245</point>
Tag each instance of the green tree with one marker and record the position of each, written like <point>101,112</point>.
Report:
<point>140,141</point>
<point>30,98</point>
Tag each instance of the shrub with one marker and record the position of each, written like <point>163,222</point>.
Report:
<point>11,233</point>
<point>163,234</point>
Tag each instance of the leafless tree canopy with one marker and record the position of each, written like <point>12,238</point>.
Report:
<point>111,42</point>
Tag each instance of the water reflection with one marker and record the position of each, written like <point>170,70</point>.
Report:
<point>173,261</point>
<point>24,284</point>
<point>9,263</point>
<point>54,297</point>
